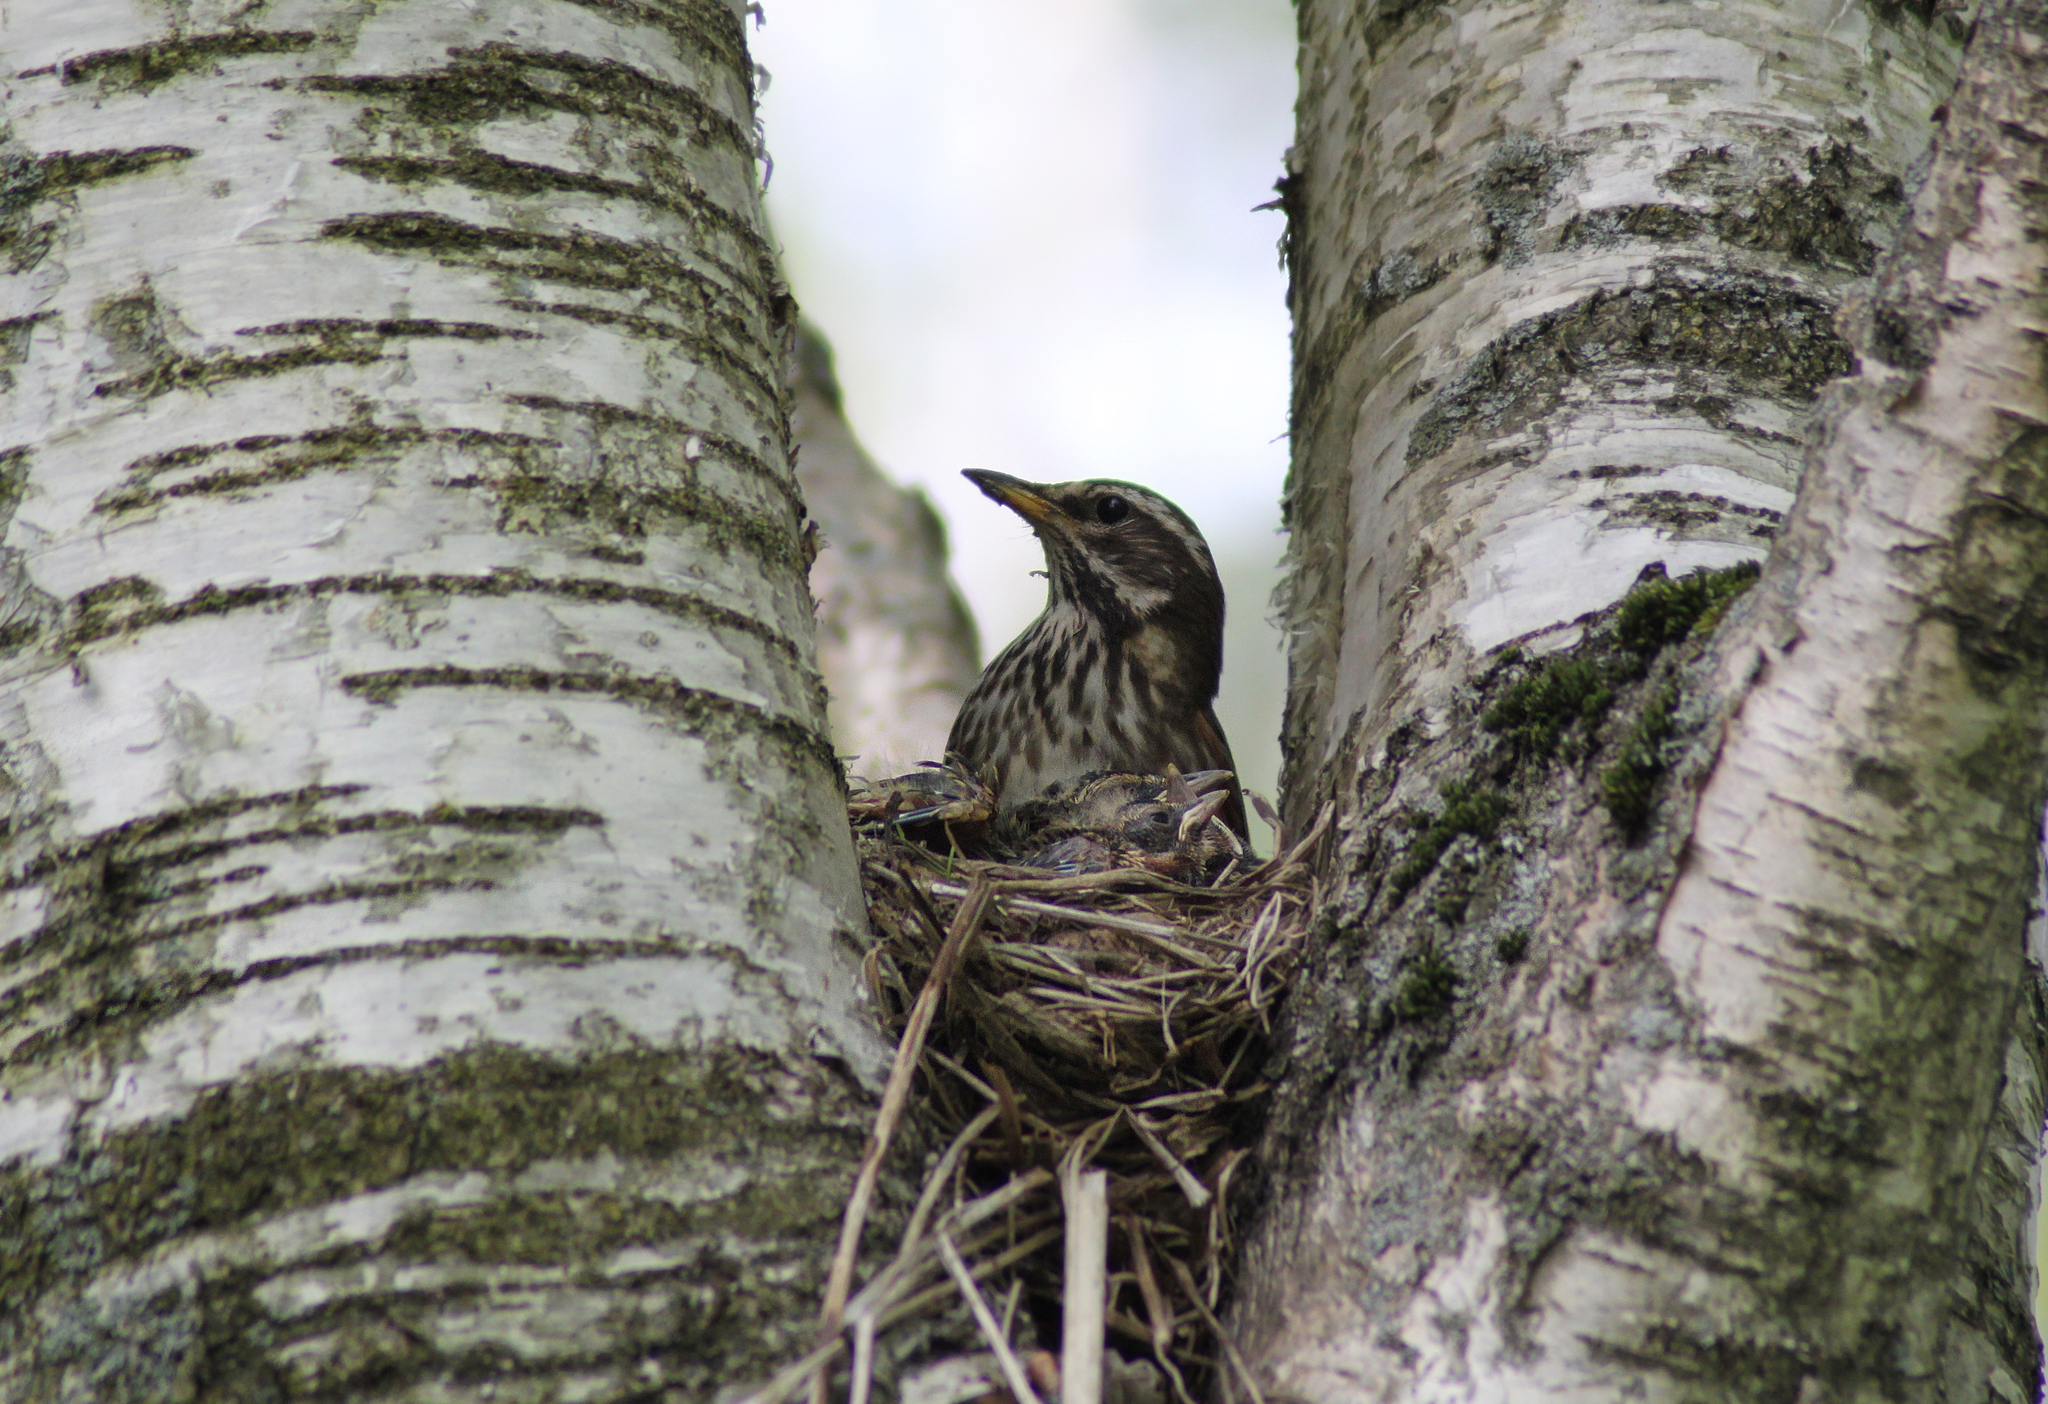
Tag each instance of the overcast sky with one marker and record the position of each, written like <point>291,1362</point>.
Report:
<point>1026,227</point>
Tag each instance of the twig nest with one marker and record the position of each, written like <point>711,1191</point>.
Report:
<point>1119,1016</point>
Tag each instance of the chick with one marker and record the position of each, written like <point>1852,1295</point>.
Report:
<point>933,797</point>
<point>1160,824</point>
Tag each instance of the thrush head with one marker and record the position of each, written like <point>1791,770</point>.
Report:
<point>1119,673</point>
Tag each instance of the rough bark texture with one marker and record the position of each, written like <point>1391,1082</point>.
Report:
<point>426,883</point>
<point>1564,284</point>
<point>1686,1045</point>
<point>895,641</point>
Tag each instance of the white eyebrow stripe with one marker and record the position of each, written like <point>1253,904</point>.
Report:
<point>1176,521</point>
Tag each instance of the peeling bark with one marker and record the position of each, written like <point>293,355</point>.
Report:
<point>1676,1034</point>
<point>429,912</point>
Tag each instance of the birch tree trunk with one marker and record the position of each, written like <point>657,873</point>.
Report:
<point>1674,1035</point>
<point>1564,277</point>
<point>427,892</point>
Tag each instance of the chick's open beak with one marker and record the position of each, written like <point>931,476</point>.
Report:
<point>1200,813</point>
<point>1020,497</point>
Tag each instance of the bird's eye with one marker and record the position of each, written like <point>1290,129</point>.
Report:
<point>1111,510</point>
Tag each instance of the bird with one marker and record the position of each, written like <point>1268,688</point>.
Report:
<point>1157,824</point>
<point>1120,671</point>
<point>933,793</point>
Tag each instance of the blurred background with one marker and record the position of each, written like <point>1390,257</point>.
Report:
<point>1026,227</point>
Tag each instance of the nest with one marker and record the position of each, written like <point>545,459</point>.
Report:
<point>1050,1027</point>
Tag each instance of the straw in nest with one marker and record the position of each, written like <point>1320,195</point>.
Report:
<point>1090,1049</point>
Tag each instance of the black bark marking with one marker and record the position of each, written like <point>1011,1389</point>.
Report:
<point>104,620</point>
<point>1830,215</point>
<point>140,329</point>
<point>488,82</point>
<point>705,712</point>
<point>1768,338</point>
<point>145,66</point>
<point>1513,193</point>
<point>581,259</point>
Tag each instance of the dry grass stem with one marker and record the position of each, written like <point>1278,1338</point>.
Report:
<point>1208,1315</point>
<point>1085,1195</point>
<point>909,1047</point>
<point>992,1332</point>
<point>1182,1176</point>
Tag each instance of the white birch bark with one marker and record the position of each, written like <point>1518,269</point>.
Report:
<point>1748,1108</point>
<point>1564,278</point>
<point>896,644</point>
<point>427,894</point>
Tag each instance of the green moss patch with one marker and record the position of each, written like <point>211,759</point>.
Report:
<point>1467,809</point>
<point>1552,711</point>
<point>1426,987</point>
<point>1627,786</point>
<point>1658,613</point>
<point>1536,713</point>
<point>1558,708</point>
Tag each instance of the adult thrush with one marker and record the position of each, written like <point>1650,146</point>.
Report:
<point>1119,673</point>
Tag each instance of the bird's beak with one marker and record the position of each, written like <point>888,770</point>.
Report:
<point>1203,810</point>
<point>1020,497</point>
